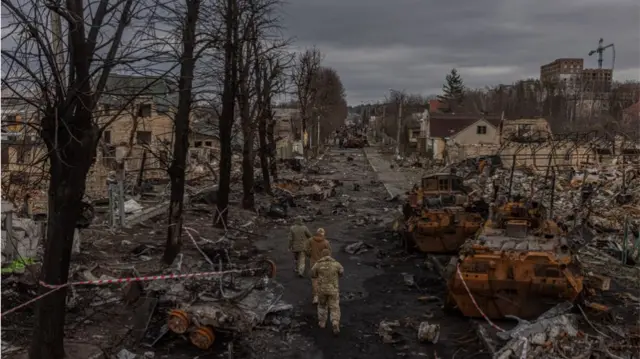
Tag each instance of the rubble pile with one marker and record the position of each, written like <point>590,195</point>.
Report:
<point>600,208</point>
<point>606,201</point>
<point>556,334</point>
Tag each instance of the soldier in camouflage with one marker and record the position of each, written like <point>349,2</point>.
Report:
<point>313,249</point>
<point>298,235</point>
<point>327,271</point>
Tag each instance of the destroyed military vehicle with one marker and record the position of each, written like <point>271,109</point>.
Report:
<point>519,264</point>
<point>436,219</point>
<point>239,308</point>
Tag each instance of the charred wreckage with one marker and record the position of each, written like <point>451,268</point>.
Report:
<point>514,257</point>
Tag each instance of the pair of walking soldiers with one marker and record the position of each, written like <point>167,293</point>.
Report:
<point>325,271</point>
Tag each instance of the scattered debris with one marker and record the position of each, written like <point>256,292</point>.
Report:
<point>357,248</point>
<point>386,331</point>
<point>408,279</point>
<point>125,354</point>
<point>428,332</point>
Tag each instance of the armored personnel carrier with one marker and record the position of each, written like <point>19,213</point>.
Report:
<point>436,219</point>
<point>519,264</point>
<point>435,190</point>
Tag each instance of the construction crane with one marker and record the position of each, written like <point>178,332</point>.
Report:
<point>600,51</point>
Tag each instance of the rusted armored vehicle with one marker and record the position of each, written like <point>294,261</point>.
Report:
<point>519,264</point>
<point>436,219</point>
<point>435,190</point>
<point>442,230</point>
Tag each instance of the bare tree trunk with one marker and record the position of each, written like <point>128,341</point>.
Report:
<point>245,108</point>
<point>181,144</point>
<point>68,174</point>
<point>273,163</point>
<point>305,150</point>
<point>228,112</point>
<point>264,160</point>
<point>248,198</point>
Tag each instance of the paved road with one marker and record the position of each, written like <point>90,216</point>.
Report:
<point>373,288</point>
<point>396,182</point>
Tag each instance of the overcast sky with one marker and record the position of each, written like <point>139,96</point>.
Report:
<point>411,44</point>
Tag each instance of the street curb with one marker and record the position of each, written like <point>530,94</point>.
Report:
<point>375,170</point>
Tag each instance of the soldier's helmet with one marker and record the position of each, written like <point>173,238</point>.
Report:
<point>325,252</point>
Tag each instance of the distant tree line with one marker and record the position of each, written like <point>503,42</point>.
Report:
<point>565,109</point>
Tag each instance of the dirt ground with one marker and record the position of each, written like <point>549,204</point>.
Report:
<point>373,288</point>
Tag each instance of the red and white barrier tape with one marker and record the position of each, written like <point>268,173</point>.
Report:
<point>473,300</point>
<point>28,302</point>
<point>147,278</point>
<point>55,287</point>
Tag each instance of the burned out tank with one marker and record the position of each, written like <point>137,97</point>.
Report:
<point>442,230</point>
<point>519,264</point>
<point>436,190</point>
<point>436,219</point>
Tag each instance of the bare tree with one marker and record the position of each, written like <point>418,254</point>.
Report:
<point>329,110</point>
<point>62,70</point>
<point>232,47</point>
<point>269,82</point>
<point>181,123</point>
<point>259,38</point>
<point>304,74</point>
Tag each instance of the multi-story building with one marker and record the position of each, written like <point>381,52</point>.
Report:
<point>566,71</point>
<point>570,72</point>
<point>144,126</point>
<point>597,80</point>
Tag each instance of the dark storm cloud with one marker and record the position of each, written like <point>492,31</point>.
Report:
<point>411,44</point>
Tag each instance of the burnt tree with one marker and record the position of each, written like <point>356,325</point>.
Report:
<point>245,100</point>
<point>258,43</point>
<point>304,72</point>
<point>330,105</point>
<point>65,93</point>
<point>178,166</point>
<point>271,144</point>
<point>263,109</point>
<point>271,69</point>
<point>228,103</point>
